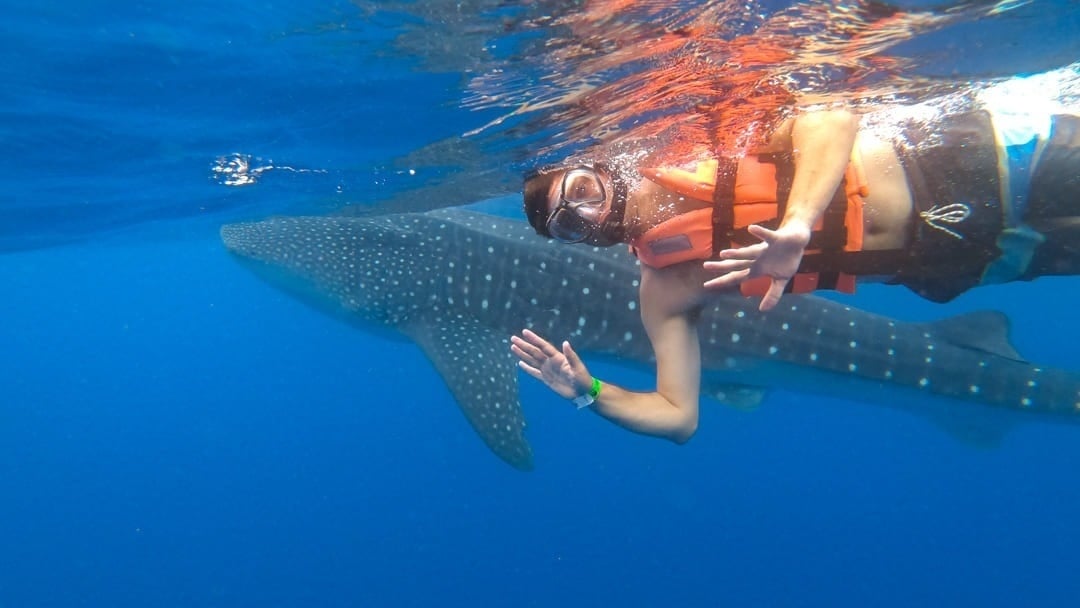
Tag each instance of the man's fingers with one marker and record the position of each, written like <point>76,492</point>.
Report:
<point>728,280</point>
<point>762,233</point>
<point>750,252</point>
<point>525,348</point>
<point>524,356</point>
<point>532,371</point>
<point>772,297</point>
<point>728,265</point>
<point>535,340</point>
<point>571,356</point>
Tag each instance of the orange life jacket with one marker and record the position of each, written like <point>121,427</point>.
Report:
<point>756,196</point>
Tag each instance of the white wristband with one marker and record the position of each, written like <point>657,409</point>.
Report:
<point>583,401</point>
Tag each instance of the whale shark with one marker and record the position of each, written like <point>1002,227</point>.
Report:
<point>458,283</point>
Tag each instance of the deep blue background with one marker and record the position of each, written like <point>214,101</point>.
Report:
<point>174,432</point>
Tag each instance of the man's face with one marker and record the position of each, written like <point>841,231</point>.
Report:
<point>578,205</point>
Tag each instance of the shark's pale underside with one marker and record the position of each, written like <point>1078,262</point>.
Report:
<point>458,283</point>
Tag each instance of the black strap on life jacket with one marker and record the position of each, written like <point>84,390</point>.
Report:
<point>832,238</point>
<point>723,215</point>
<point>884,262</point>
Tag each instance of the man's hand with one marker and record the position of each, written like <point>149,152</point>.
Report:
<point>563,371</point>
<point>776,256</point>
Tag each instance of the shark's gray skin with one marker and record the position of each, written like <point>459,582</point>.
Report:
<point>459,283</point>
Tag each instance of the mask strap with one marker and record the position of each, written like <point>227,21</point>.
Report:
<point>618,208</point>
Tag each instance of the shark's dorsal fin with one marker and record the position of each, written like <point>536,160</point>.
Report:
<point>739,396</point>
<point>986,331</point>
<point>478,368</point>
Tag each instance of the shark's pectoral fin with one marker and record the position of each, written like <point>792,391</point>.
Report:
<point>739,396</point>
<point>479,369</point>
<point>986,331</point>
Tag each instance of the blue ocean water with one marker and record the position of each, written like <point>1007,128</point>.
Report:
<point>174,432</point>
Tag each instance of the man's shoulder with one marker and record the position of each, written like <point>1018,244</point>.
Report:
<point>675,289</point>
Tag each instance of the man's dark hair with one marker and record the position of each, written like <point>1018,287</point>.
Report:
<point>537,188</point>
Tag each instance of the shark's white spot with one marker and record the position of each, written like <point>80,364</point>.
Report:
<point>924,382</point>
<point>813,356</point>
<point>1026,402</point>
<point>773,350</point>
<point>484,304</point>
<point>1032,383</point>
<point>785,327</point>
<point>852,367</point>
<point>632,305</point>
<point>735,337</point>
<point>581,321</point>
<point>487,277</point>
<point>740,314</point>
<point>628,337</point>
<point>853,344</point>
<point>974,389</point>
<point>888,373</point>
<point>851,324</point>
<point>929,360</point>
<point>585,291</point>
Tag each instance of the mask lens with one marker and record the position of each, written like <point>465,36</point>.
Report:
<point>582,186</point>
<point>569,227</point>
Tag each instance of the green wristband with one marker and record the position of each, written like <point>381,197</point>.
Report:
<point>588,398</point>
<point>594,392</point>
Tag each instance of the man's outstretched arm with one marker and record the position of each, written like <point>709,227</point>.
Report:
<point>671,411</point>
<point>821,143</point>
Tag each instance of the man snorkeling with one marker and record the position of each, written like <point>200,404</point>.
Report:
<point>940,197</point>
